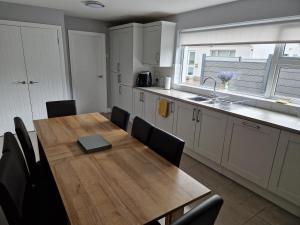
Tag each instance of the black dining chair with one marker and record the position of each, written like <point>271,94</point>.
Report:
<point>22,203</point>
<point>204,214</point>
<point>28,150</point>
<point>16,193</point>
<point>141,130</point>
<point>120,117</point>
<point>61,108</point>
<point>166,145</point>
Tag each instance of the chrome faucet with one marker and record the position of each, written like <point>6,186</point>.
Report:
<point>215,85</point>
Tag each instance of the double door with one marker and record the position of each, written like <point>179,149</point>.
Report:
<point>31,73</point>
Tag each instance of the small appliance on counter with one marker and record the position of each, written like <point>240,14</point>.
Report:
<point>167,83</point>
<point>144,79</point>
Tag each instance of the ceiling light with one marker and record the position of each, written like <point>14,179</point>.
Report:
<point>94,4</point>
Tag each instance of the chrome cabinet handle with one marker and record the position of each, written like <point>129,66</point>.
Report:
<point>118,67</point>
<point>198,114</point>
<point>157,57</point>
<point>142,96</point>
<point>119,78</point>
<point>33,82</point>
<point>20,82</point>
<point>194,110</point>
<point>252,126</point>
<point>172,107</point>
<point>100,76</point>
<point>120,90</point>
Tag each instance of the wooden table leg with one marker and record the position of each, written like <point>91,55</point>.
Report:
<point>174,215</point>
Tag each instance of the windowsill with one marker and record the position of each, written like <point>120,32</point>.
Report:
<point>256,101</point>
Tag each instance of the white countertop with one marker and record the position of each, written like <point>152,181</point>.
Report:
<point>268,117</point>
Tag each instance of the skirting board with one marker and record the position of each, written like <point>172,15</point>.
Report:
<point>286,205</point>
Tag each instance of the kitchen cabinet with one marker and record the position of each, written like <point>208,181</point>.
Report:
<point>150,106</point>
<point>138,103</point>
<point>185,125</point>
<point>250,149</point>
<point>159,43</point>
<point>114,51</point>
<point>125,99</point>
<point>167,123</point>
<point>285,177</point>
<point>210,134</point>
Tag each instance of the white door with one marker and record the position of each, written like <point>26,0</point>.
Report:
<point>138,103</point>
<point>115,89</point>
<point>114,51</point>
<point>210,134</point>
<point>150,102</point>
<point>285,177</point>
<point>250,149</point>
<point>163,123</point>
<point>185,126</point>
<point>126,56</point>
<point>126,98</point>
<point>88,68</point>
<point>46,75</point>
<point>14,95</point>
<point>152,41</point>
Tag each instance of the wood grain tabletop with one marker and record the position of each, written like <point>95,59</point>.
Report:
<point>126,185</point>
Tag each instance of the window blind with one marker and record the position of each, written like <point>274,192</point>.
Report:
<point>279,32</point>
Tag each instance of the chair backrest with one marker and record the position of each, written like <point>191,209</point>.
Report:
<point>141,130</point>
<point>10,144</point>
<point>205,214</point>
<point>27,146</point>
<point>14,185</point>
<point>166,145</point>
<point>120,117</point>
<point>61,108</point>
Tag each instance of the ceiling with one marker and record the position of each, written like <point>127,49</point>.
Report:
<point>123,9</point>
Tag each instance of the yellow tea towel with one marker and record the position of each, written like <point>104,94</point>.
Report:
<point>163,108</point>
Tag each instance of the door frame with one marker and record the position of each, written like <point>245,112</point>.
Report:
<point>87,33</point>
<point>59,30</point>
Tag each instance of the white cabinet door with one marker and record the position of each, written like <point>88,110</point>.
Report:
<point>138,103</point>
<point>150,107</point>
<point>14,95</point>
<point>126,56</point>
<point>285,177</point>
<point>114,51</point>
<point>115,89</point>
<point>88,66</point>
<point>210,134</point>
<point>152,37</point>
<point>185,123</point>
<point>44,68</point>
<point>166,124</point>
<point>250,149</point>
<point>126,98</point>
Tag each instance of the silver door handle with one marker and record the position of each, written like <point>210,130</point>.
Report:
<point>198,114</point>
<point>100,76</point>
<point>120,90</point>
<point>20,82</point>
<point>194,110</point>
<point>118,67</point>
<point>249,125</point>
<point>33,82</point>
<point>172,107</point>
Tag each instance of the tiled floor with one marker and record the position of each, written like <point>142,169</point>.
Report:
<point>241,206</point>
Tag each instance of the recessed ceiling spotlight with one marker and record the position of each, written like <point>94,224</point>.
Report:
<point>94,4</point>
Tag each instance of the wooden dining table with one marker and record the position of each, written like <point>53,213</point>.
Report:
<point>128,184</point>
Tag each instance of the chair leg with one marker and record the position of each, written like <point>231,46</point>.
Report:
<point>174,215</point>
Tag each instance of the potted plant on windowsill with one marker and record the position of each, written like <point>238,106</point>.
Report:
<point>225,77</point>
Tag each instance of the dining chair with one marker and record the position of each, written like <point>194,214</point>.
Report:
<point>22,203</point>
<point>61,108</point>
<point>120,117</point>
<point>28,150</point>
<point>166,145</point>
<point>141,130</point>
<point>15,190</point>
<point>205,214</point>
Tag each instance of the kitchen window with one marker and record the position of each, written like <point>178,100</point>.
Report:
<point>265,65</point>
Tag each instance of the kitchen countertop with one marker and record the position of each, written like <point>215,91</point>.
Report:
<point>264,116</point>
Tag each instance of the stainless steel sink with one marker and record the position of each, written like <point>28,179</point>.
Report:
<point>199,98</point>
